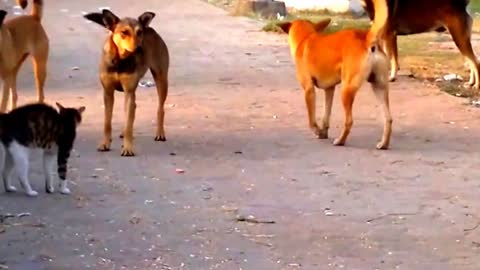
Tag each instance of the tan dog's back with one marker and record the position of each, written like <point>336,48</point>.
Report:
<point>25,31</point>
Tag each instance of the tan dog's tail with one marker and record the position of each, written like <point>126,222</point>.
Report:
<point>379,21</point>
<point>37,10</point>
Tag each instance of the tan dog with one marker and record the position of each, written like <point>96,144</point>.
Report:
<point>408,17</point>
<point>129,51</point>
<point>350,57</point>
<point>20,37</point>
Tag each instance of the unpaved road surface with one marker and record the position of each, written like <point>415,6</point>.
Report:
<point>236,124</point>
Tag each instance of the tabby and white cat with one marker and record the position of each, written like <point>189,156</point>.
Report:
<point>37,126</point>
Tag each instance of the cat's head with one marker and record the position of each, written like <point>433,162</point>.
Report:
<point>74,114</point>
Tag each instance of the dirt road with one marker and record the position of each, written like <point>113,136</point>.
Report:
<point>236,124</point>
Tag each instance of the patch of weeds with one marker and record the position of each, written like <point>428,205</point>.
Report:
<point>338,22</point>
<point>456,88</point>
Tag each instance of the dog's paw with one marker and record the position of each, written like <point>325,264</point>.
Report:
<point>160,138</point>
<point>322,134</point>
<point>11,189</point>
<point>339,142</point>
<point>471,84</point>
<point>382,146</point>
<point>127,152</point>
<point>103,147</point>
<point>31,193</point>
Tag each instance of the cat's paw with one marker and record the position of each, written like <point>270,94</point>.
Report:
<point>49,189</point>
<point>32,193</point>
<point>65,191</point>
<point>11,189</point>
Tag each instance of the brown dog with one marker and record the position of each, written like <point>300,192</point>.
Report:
<point>20,37</point>
<point>129,51</point>
<point>350,57</point>
<point>408,17</point>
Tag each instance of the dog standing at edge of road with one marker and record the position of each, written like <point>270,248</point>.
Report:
<point>20,37</point>
<point>349,57</point>
<point>131,48</point>
<point>408,17</point>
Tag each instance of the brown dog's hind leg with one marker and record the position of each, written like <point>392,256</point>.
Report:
<point>161,81</point>
<point>391,49</point>
<point>40,59</point>
<point>460,28</point>
<point>127,147</point>
<point>327,112</point>
<point>108,101</point>
<point>348,96</point>
<point>310,101</point>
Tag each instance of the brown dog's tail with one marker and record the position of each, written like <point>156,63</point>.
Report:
<point>37,10</point>
<point>375,33</point>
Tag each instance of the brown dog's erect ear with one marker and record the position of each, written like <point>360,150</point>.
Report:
<point>110,19</point>
<point>106,19</point>
<point>285,26</point>
<point>321,25</point>
<point>3,14</point>
<point>146,18</point>
<point>95,17</point>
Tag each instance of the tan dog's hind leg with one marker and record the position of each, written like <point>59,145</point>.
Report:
<point>327,112</point>
<point>348,96</point>
<point>108,101</point>
<point>460,29</point>
<point>310,101</point>
<point>127,148</point>
<point>40,69</point>
<point>7,82</point>
<point>161,80</point>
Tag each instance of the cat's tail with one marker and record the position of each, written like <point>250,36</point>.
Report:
<point>37,10</point>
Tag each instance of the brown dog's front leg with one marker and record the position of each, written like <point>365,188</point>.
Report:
<point>127,148</point>
<point>162,90</point>
<point>108,100</point>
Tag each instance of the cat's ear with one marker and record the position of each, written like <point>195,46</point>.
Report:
<point>81,109</point>
<point>60,107</point>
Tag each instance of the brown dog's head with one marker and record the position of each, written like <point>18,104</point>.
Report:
<point>304,26</point>
<point>127,33</point>
<point>299,30</point>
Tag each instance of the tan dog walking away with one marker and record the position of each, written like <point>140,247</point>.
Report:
<point>20,37</point>
<point>350,57</point>
<point>407,17</point>
<point>129,51</point>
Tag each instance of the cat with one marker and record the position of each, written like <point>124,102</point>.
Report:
<point>37,126</point>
